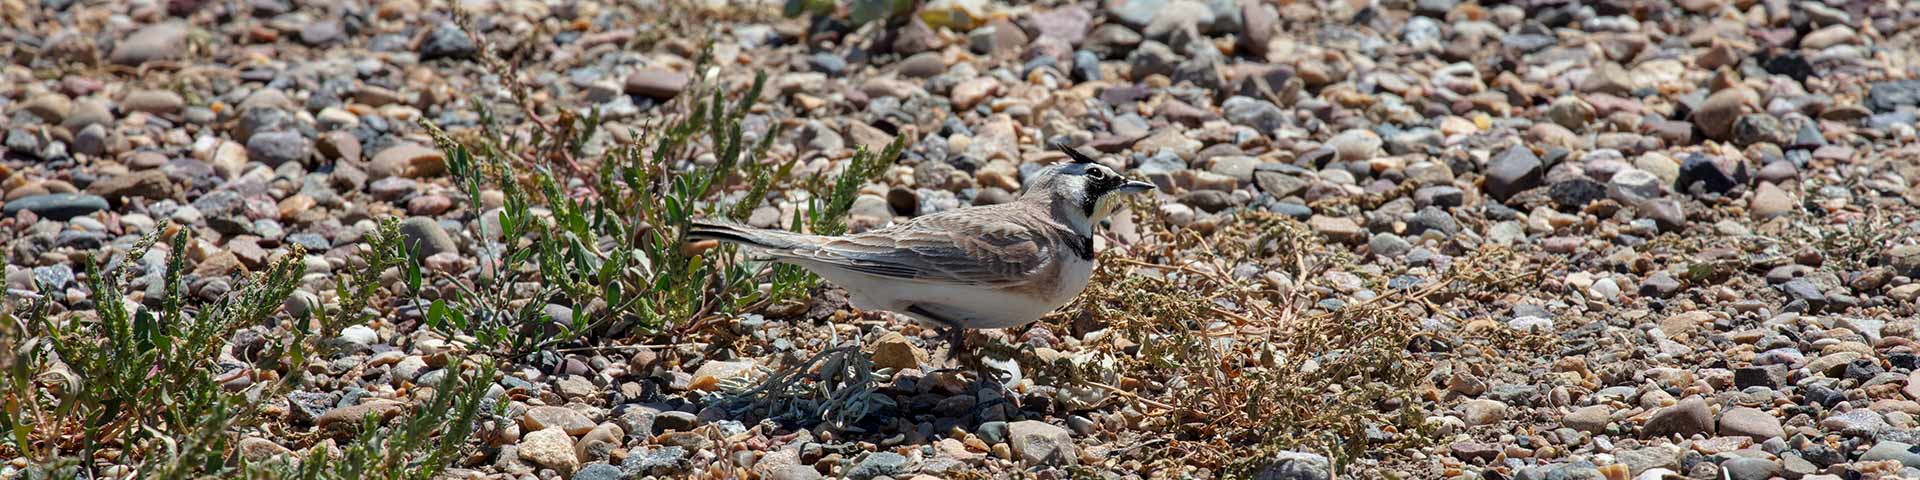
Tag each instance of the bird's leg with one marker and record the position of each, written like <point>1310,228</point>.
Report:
<point>957,350</point>
<point>956,335</point>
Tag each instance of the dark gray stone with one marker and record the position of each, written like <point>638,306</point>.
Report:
<point>1888,96</point>
<point>1259,114</point>
<point>1514,170</point>
<point>599,471</point>
<point>878,464</point>
<point>447,41</point>
<point>276,148</point>
<point>58,207</point>
<point>1296,466</point>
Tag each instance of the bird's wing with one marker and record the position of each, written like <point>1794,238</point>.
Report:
<point>980,246</point>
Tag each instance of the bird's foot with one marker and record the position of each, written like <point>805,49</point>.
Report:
<point>957,352</point>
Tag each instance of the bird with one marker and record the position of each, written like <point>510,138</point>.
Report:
<point>978,267</point>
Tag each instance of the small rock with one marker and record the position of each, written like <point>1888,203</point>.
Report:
<point>921,65</point>
<point>551,448</point>
<point>878,464</point>
<point>1687,418</point>
<point>566,419</point>
<point>1041,443</point>
<point>58,207</point>
<point>1355,145</point>
<point>894,350</point>
<point>275,148</point>
<point>1338,229</point>
<point>164,41</point>
<point>1770,201</point>
<point>157,102</point>
<point>1750,422</point>
<point>447,40</point>
<point>426,238</point>
<point>1716,115</point>
<point>1259,114</point>
<point>1590,419</point>
<point>350,416</point>
<point>1906,454</point>
<point>1296,466</point>
<point>656,83</point>
<point>1483,412</point>
<point>408,160</point>
<point>1514,170</point>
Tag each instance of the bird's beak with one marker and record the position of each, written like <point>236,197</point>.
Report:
<point>1135,186</point>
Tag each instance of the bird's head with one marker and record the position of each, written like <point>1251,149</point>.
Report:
<point>1082,187</point>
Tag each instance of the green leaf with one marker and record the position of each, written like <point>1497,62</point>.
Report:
<point>437,314</point>
<point>413,275</point>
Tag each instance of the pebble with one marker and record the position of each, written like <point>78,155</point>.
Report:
<point>407,160</point>
<point>157,102</point>
<point>427,237</point>
<point>275,148</point>
<point>447,41</point>
<point>157,42</point>
<point>1512,171</point>
<point>58,207</point>
<point>1716,115</point>
<point>1041,443</point>
<point>550,447</point>
<point>656,83</point>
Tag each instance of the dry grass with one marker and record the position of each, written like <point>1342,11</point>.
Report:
<point>1233,369</point>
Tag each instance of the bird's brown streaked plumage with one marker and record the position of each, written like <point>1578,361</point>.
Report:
<point>990,266</point>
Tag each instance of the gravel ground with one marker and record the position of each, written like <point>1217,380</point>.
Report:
<point>1689,225</point>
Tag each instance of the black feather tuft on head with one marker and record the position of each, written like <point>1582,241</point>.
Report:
<point>1073,153</point>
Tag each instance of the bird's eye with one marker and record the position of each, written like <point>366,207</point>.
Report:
<point>1096,173</point>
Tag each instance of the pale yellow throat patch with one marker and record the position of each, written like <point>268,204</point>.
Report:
<point>1105,206</point>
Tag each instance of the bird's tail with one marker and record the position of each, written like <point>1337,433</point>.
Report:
<point>748,236</point>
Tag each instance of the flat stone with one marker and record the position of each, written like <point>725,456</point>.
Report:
<point>656,83</point>
<point>163,41</point>
<point>1040,443</point>
<point>1750,422</point>
<point>157,102</point>
<point>543,417</point>
<point>551,448</point>
<point>1355,145</point>
<point>1338,229</point>
<point>921,65</point>
<point>58,207</point>
<point>1590,419</point>
<point>350,416</point>
<point>1906,454</point>
<point>408,160</point>
<point>276,148</point>
<point>878,464</point>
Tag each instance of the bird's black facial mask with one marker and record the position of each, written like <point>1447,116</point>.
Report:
<point>1100,184</point>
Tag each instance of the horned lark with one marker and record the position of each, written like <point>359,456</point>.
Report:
<point>993,266</point>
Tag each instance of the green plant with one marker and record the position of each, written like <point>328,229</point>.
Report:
<point>618,257</point>
<point>423,443</point>
<point>139,386</point>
